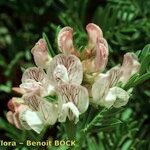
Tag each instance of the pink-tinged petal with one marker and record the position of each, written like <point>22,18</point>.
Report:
<point>14,103</point>
<point>13,118</point>
<point>18,107</point>
<point>65,40</point>
<point>103,41</point>
<point>18,90</point>
<point>16,120</point>
<point>95,56</point>
<point>40,54</point>
<point>9,117</point>
<point>101,57</point>
<point>21,107</point>
<point>129,66</point>
<point>34,73</point>
<point>76,94</point>
<point>41,44</point>
<point>36,80</point>
<point>69,63</point>
<point>98,62</point>
<point>11,105</point>
<point>94,32</point>
<point>48,112</point>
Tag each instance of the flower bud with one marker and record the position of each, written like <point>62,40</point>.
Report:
<point>94,32</point>
<point>16,106</point>
<point>129,66</point>
<point>40,54</point>
<point>14,103</point>
<point>65,40</point>
<point>99,59</point>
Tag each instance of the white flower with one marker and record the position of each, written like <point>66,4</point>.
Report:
<point>73,100</point>
<point>47,110</point>
<point>22,116</point>
<point>102,85</point>
<point>65,69</point>
<point>36,80</point>
<point>65,40</point>
<point>105,91</point>
<point>129,66</point>
<point>40,54</point>
<point>31,112</point>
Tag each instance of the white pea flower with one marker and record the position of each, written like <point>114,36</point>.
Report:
<point>129,66</point>
<point>33,116</point>
<point>73,100</point>
<point>65,69</point>
<point>40,54</point>
<point>47,111</point>
<point>13,116</point>
<point>31,120</point>
<point>15,105</point>
<point>22,116</point>
<point>65,40</point>
<point>35,80</point>
<point>105,91</point>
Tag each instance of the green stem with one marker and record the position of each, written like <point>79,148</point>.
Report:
<point>71,130</point>
<point>83,134</point>
<point>97,117</point>
<point>80,141</point>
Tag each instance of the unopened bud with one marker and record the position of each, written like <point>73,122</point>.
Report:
<point>40,54</point>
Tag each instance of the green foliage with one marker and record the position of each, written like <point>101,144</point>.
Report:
<point>123,136</point>
<point>51,51</point>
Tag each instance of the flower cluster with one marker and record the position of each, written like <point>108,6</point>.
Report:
<point>73,79</point>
